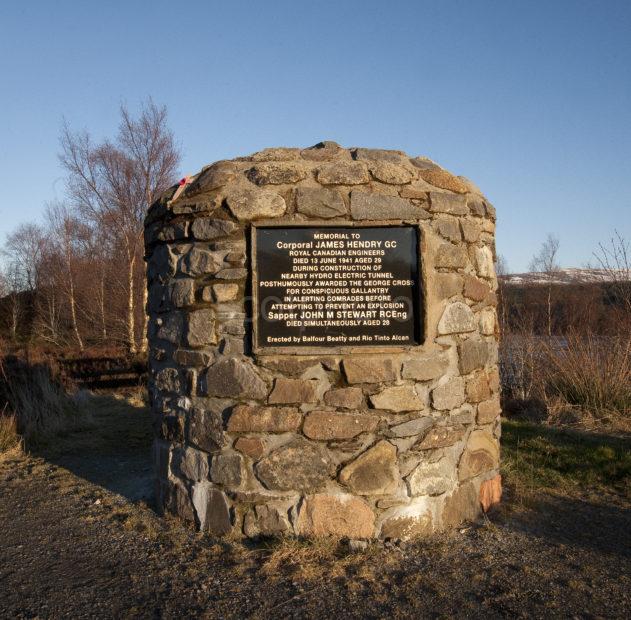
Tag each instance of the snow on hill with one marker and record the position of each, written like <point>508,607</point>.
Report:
<point>567,276</point>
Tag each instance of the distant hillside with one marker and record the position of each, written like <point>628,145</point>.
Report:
<point>565,276</point>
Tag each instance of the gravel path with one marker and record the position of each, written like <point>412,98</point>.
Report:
<point>78,540</point>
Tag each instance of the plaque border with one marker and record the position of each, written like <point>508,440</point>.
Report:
<point>421,320</point>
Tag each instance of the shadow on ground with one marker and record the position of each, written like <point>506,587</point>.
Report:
<point>113,449</point>
<point>603,526</point>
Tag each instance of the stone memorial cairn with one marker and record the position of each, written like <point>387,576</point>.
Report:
<point>396,442</point>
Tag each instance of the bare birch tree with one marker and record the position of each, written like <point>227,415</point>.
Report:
<point>113,183</point>
<point>65,232</point>
<point>546,263</point>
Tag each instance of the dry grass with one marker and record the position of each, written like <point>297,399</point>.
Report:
<point>580,380</point>
<point>40,407</point>
<point>309,559</point>
<point>592,373</point>
<point>9,438</point>
<point>521,365</point>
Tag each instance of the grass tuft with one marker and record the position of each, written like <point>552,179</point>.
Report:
<point>9,438</point>
<point>309,558</point>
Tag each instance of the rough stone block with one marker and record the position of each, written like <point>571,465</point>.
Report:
<point>232,273</point>
<point>208,228</point>
<point>343,173</point>
<point>417,190</point>
<point>182,293</point>
<point>161,263</point>
<point>398,398</point>
<point>481,454</point>
<point>276,154</point>
<point>369,369</point>
<point>299,465</point>
<point>432,478</point>
<point>190,464</point>
<point>168,380</point>
<point>448,227</point>
<point>319,202</point>
<point>325,151</point>
<point>374,472</point>
<point>198,262</point>
<point>367,206</point>
<point>226,469</point>
<point>484,262</point>
<point>328,425</point>
<point>478,387</point>
<point>254,447</point>
<point>449,395</point>
<point>447,203</point>
<point>345,398</point>
<point>249,419</point>
<point>252,204</point>
<point>171,427</point>
<point>205,429</point>
<point>224,292</point>
<point>494,375</point>
<point>474,288</point>
<point>461,505</point>
<point>374,155</point>
<point>170,328</point>
<point>417,519</point>
<point>211,507</point>
<point>266,520</point>
<point>335,515</point>
<point>276,173</point>
<point>476,206</point>
<point>470,230</point>
<point>411,428</point>
<point>389,172</point>
<point>457,319</point>
<point>450,256</point>
<point>178,501</point>
<point>448,285</point>
<point>230,377</point>
<point>487,322</point>
<point>294,391</point>
<point>187,357</point>
<point>212,177</point>
<point>200,328</point>
<point>490,492</point>
<point>489,410</point>
<point>291,365</point>
<point>161,456</point>
<point>425,368</point>
<point>440,437</point>
<point>444,180</point>
<point>473,354</point>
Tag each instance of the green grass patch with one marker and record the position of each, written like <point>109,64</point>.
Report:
<point>536,457</point>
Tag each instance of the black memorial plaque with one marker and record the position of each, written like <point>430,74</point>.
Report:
<point>337,286</point>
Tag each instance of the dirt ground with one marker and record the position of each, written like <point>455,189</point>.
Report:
<point>78,538</point>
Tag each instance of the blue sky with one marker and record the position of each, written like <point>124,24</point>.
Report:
<point>531,100</point>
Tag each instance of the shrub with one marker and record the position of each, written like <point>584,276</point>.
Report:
<point>591,372</point>
<point>40,406</point>
<point>520,363</point>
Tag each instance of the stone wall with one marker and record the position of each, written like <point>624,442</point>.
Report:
<point>396,443</point>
